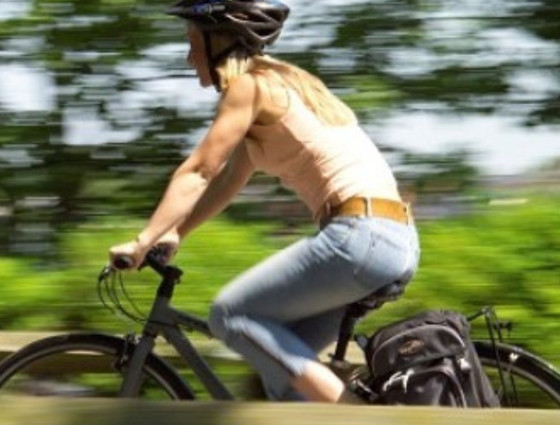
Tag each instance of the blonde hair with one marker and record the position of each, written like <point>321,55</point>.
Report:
<point>316,96</point>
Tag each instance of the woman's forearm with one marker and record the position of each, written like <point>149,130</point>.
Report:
<point>214,200</point>
<point>182,194</point>
<point>190,199</point>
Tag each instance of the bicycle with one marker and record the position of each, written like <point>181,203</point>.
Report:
<point>520,378</point>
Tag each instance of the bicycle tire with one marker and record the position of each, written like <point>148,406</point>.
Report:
<point>523,373</point>
<point>106,351</point>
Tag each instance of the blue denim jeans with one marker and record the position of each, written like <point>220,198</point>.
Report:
<point>282,312</point>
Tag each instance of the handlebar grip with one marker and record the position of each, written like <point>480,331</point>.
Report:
<point>122,262</point>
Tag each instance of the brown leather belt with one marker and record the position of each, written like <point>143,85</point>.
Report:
<point>370,207</point>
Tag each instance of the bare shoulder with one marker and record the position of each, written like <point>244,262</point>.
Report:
<point>271,97</point>
<point>241,92</point>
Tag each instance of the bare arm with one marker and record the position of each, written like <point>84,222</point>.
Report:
<point>189,182</point>
<point>193,178</point>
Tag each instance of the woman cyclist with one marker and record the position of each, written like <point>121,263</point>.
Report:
<point>275,117</point>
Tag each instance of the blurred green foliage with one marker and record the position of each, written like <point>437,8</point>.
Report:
<point>506,256</point>
<point>63,295</point>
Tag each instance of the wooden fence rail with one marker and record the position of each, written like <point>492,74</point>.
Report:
<point>52,411</point>
<point>209,348</point>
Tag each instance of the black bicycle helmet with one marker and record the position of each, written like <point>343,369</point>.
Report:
<point>255,23</point>
<point>252,23</point>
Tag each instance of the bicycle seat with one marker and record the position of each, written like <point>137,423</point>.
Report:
<point>386,293</point>
<point>376,299</point>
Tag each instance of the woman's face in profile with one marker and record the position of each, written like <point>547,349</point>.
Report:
<point>197,55</point>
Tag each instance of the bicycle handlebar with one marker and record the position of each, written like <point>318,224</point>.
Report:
<point>152,260</point>
<point>122,263</point>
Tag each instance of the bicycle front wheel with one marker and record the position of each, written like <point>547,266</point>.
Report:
<point>84,365</point>
<point>525,381</point>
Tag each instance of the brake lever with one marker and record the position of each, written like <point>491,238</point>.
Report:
<point>107,271</point>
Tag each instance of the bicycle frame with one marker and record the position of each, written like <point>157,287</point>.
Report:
<point>165,320</point>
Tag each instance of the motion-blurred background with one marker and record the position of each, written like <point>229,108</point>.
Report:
<point>97,107</point>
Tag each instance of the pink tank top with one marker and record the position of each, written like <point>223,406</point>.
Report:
<point>321,163</point>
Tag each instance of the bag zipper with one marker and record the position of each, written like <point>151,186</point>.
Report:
<point>400,334</point>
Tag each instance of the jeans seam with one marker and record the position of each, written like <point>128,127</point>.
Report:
<point>360,266</point>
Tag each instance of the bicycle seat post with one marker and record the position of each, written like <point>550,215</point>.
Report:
<point>353,313</point>
<point>359,309</point>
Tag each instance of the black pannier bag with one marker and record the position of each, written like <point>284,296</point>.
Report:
<point>427,359</point>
